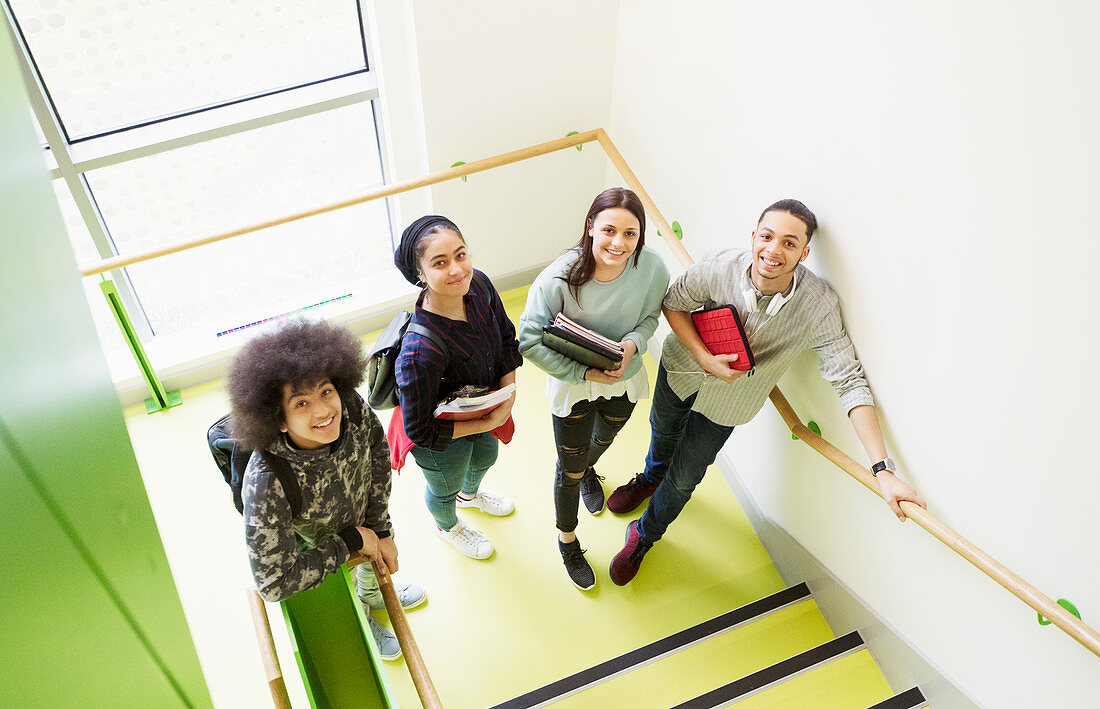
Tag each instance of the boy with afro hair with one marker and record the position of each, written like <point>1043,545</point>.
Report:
<point>293,396</point>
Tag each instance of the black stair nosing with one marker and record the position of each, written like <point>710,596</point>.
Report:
<point>657,649</point>
<point>909,699</point>
<point>779,672</point>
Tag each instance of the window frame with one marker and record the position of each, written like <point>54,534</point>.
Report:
<point>75,158</point>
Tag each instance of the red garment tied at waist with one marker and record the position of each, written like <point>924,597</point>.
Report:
<point>400,445</point>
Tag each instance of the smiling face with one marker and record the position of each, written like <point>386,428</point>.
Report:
<point>445,266</point>
<point>778,245</point>
<point>311,414</point>
<point>614,234</point>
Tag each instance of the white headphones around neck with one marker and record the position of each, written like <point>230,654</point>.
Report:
<point>777,300</point>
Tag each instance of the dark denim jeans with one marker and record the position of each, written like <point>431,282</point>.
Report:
<point>683,444</point>
<point>581,438</point>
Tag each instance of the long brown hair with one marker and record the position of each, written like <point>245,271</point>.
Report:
<point>584,267</point>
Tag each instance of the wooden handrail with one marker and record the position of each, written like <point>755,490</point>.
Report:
<point>385,191</point>
<point>1071,624</point>
<point>635,184</point>
<point>429,698</point>
<point>274,673</point>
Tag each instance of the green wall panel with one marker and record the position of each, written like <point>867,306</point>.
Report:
<point>91,612</point>
<point>66,643</point>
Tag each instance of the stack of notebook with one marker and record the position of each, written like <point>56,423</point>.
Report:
<point>581,344</point>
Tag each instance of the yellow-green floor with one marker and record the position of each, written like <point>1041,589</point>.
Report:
<point>498,628</point>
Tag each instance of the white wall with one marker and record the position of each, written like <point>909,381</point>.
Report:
<point>950,151</point>
<point>499,75</point>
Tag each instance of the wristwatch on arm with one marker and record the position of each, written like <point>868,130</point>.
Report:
<point>886,463</point>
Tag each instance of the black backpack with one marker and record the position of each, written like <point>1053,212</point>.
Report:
<point>232,457</point>
<point>381,379</point>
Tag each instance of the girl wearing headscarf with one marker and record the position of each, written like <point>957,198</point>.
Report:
<point>463,310</point>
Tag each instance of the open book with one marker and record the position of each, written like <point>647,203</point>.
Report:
<point>581,344</point>
<point>472,402</point>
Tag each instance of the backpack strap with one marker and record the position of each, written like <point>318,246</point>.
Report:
<point>353,403</point>
<point>281,468</point>
<point>431,337</point>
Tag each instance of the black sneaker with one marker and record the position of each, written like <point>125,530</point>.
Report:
<point>592,491</point>
<point>580,573</point>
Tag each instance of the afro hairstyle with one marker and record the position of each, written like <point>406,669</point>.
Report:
<point>297,353</point>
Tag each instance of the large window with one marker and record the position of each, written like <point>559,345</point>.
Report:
<point>170,120</point>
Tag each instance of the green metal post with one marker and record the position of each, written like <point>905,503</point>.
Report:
<point>161,399</point>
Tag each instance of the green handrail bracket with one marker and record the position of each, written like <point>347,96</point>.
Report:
<point>1065,603</point>
<point>676,229</point>
<point>574,132</point>
<point>812,425</point>
<point>456,164</point>
<point>161,398</point>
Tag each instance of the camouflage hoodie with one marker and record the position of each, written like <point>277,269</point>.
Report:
<point>343,486</point>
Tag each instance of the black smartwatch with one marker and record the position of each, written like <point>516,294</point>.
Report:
<point>886,463</point>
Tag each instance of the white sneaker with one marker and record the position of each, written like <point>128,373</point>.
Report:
<point>388,646</point>
<point>467,540</point>
<point>409,594</point>
<point>489,502</point>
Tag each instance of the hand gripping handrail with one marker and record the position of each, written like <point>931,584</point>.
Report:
<point>1074,627</point>
<point>425,688</point>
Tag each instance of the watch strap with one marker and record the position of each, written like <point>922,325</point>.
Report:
<point>886,463</point>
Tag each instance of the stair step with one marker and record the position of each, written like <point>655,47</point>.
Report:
<point>677,678</point>
<point>780,674</point>
<point>793,602</point>
<point>851,681</point>
<point>909,699</point>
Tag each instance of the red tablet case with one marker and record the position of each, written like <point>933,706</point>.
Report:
<point>722,332</point>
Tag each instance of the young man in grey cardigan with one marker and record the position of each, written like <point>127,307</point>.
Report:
<point>699,398</point>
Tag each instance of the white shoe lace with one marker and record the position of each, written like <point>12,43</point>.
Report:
<point>467,537</point>
<point>472,538</point>
<point>493,501</point>
<point>379,631</point>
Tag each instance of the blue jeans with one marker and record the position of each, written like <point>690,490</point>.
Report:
<point>683,444</point>
<point>460,468</point>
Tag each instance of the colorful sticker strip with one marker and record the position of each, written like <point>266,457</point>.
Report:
<point>283,317</point>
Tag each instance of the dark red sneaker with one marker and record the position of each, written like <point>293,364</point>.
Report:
<point>626,498</point>
<point>626,563</point>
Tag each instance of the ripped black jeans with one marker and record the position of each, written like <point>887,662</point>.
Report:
<point>581,438</point>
